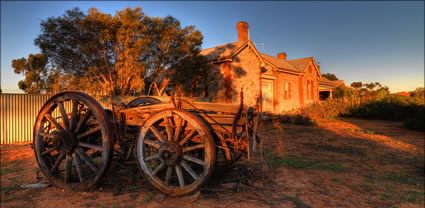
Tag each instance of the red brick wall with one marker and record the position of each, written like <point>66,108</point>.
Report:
<point>310,75</point>
<point>292,100</point>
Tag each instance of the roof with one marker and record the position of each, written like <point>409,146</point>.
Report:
<point>300,63</point>
<point>279,63</point>
<point>227,51</point>
<point>335,83</point>
<point>222,51</point>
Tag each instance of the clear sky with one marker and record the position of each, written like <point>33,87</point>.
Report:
<point>357,41</point>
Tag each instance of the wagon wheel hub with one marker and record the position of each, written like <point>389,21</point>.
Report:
<point>65,141</point>
<point>170,153</point>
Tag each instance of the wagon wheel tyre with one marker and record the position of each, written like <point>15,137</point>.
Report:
<point>176,152</point>
<point>73,141</point>
<point>142,101</point>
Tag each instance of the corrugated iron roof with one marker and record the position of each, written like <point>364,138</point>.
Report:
<point>336,83</point>
<point>279,63</point>
<point>300,63</point>
<point>222,51</point>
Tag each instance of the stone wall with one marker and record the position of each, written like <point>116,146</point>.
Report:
<point>244,73</point>
<point>310,74</point>
<point>292,101</point>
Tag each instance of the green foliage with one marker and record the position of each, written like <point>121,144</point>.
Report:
<point>344,91</point>
<point>417,122</point>
<point>404,178</point>
<point>330,76</point>
<point>357,85</point>
<point>418,93</point>
<point>348,150</point>
<point>147,198</point>
<point>298,162</point>
<point>34,68</point>
<point>395,108</point>
<point>116,54</point>
<point>335,179</point>
<point>297,119</point>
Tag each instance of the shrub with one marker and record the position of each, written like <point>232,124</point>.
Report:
<point>411,110</point>
<point>417,122</point>
<point>344,91</point>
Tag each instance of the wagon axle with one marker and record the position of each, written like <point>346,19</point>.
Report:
<point>65,141</point>
<point>170,153</point>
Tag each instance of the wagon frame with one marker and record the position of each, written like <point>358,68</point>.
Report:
<point>177,144</point>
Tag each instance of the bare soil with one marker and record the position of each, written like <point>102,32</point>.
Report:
<point>338,163</point>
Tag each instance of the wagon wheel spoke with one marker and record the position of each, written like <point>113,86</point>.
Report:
<point>49,150</point>
<point>47,135</point>
<point>194,159</point>
<point>188,137</point>
<point>91,146</point>
<point>158,169</point>
<point>77,162</point>
<point>152,143</point>
<point>82,121</point>
<point>189,169</point>
<point>74,114</point>
<point>86,159</point>
<point>63,114</point>
<point>68,168</point>
<point>53,122</point>
<point>180,175</point>
<point>156,156</point>
<point>58,162</point>
<point>168,127</point>
<point>157,134</point>
<point>168,176</point>
<point>89,132</point>
<point>190,148</point>
<point>179,124</point>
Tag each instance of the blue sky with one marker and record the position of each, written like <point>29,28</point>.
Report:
<point>357,41</point>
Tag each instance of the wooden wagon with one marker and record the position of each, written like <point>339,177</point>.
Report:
<point>176,143</point>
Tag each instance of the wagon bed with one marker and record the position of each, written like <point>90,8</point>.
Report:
<point>176,144</point>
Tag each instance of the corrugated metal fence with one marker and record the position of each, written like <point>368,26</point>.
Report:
<point>19,111</point>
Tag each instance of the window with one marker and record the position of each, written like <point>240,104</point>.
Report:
<point>311,90</point>
<point>287,90</point>
<point>310,93</point>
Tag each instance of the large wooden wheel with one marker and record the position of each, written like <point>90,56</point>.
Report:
<point>142,101</point>
<point>73,141</point>
<point>175,151</point>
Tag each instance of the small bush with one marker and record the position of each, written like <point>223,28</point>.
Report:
<point>417,122</point>
<point>297,119</point>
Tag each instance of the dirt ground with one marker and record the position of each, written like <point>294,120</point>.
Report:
<point>338,163</point>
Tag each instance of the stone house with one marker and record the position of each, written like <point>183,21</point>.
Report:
<point>277,83</point>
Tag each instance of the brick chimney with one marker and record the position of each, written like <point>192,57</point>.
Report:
<point>281,56</point>
<point>242,31</point>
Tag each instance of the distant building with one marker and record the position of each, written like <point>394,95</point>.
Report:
<point>279,84</point>
<point>407,94</point>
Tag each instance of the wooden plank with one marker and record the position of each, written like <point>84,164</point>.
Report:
<point>215,107</point>
<point>218,128</point>
<point>224,121</point>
